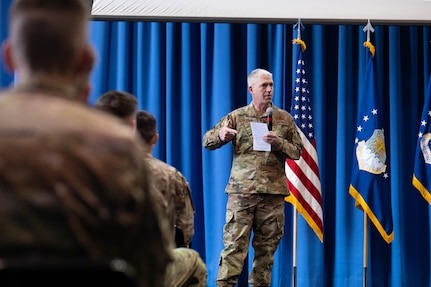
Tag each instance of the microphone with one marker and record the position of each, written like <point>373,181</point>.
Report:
<point>269,118</point>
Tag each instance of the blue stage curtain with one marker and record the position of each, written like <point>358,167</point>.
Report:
<point>191,74</point>
<point>6,77</point>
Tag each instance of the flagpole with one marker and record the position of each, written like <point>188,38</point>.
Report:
<point>298,26</point>
<point>295,236</point>
<point>368,29</point>
<point>364,283</point>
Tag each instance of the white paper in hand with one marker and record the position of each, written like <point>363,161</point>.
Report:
<point>259,130</point>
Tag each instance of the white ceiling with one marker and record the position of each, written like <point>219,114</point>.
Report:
<point>270,11</point>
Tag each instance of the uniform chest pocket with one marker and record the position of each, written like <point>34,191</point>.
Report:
<point>244,139</point>
<point>282,130</point>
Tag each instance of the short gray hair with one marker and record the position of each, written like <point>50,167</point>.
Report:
<point>255,74</point>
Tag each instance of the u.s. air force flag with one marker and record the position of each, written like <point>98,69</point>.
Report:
<point>422,169</point>
<point>370,184</point>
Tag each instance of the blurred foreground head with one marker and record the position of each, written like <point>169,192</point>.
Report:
<point>48,37</point>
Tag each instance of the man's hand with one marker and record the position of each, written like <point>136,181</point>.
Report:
<point>270,137</point>
<point>226,133</point>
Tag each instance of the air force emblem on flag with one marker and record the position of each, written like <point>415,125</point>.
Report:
<point>425,147</point>
<point>371,154</point>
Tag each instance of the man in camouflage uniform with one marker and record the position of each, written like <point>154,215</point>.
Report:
<point>188,269</point>
<point>121,104</point>
<point>69,187</point>
<point>257,183</point>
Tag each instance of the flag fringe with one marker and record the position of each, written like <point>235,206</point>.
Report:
<point>295,202</point>
<point>360,200</point>
<point>422,189</point>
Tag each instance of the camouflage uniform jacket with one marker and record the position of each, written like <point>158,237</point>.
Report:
<point>257,171</point>
<point>71,185</point>
<point>174,196</point>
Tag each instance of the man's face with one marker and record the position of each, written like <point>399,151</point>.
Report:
<point>262,90</point>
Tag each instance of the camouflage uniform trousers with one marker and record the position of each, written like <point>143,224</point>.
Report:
<point>187,269</point>
<point>264,215</point>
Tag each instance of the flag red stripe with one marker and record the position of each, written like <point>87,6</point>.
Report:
<point>316,218</point>
<point>311,162</point>
<point>305,180</point>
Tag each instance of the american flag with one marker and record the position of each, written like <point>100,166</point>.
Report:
<point>303,175</point>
